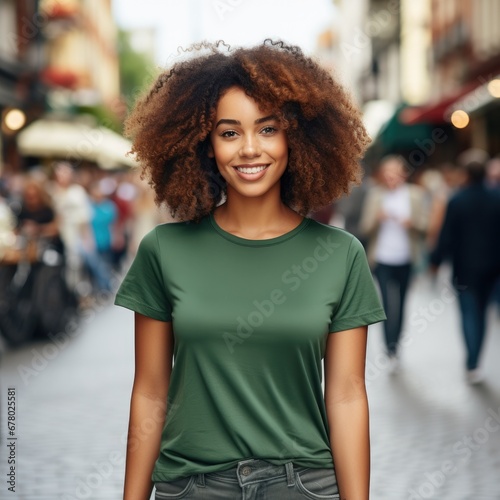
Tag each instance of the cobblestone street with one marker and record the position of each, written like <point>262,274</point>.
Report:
<point>433,435</point>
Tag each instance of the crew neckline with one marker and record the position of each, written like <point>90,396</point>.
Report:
<point>258,243</point>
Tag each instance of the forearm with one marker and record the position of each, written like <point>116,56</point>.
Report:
<point>147,416</point>
<point>50,229</point>
<point>350,442</point>
<point>369,222</point>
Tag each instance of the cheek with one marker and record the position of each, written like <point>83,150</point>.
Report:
<point>222,152</point>
<point>281,153</point>
<point>281,149</point>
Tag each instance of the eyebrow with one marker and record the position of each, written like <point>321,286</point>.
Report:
<point>227,121</point>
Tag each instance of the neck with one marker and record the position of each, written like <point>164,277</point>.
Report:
<point>256,217</point>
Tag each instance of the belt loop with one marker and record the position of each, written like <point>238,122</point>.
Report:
<point>201,480</point>
<point>290,477</point>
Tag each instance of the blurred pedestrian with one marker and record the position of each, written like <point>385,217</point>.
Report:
<point>124,196</point>
<point>470,238</point>
<point>493,182</point>
<point>394,221</point>
<point>350,207</point>
<point>103,217</point>
<point>37,218</point>
<point>34,296</point>
<point>452,179</point>
<point>241,146</point>
<point>7,222</point>
<point>72,206</point>
<point>493,173</point>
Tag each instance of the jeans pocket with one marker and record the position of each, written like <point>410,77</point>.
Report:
<point>174,489</point>
<point>318,484</point>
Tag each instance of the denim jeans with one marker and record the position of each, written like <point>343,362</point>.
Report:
<point>473,305</point>
<point>393,282</point>
<point>254,480</point>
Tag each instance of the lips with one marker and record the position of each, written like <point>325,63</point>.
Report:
<point>251,172</point>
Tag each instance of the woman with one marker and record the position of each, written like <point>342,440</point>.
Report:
<point>241,146</point>
<point>394,221</point>
<point>37,218</point>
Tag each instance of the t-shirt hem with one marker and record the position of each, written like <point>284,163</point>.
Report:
<point>321,463</point>
<point>132,304</point>
<point>361,320</point>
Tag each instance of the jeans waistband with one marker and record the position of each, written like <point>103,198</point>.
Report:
<point>257,470</point>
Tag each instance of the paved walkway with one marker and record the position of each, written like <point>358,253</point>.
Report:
<point>433,435</point>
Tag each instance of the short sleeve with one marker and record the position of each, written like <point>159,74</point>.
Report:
<point>142,290</point>
<point>360,303</point>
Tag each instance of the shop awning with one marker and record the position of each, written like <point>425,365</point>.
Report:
<point>437,112</point>
<point>74,140</point>
<point>396,135</point>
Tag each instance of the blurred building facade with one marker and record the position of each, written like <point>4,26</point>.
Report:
<point>466,70</point>
<point>22,94</point>
<point>80,50</point>
<point>423,68</point>
<point>57,57</point>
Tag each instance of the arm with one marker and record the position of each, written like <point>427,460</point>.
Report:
<point>371,214</point>
<point>347,411</point>
<point>444,245</point>
<point>153,366</point>
<point>419,221</point>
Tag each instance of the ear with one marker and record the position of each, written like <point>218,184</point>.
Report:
<point>210,153</point>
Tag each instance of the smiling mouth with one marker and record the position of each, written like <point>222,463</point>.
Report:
<point>251,170</point>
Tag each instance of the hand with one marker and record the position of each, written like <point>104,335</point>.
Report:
<point>433,275</point>
<point>406,223</point>
<point>30,228</point>
<point>382,216</point>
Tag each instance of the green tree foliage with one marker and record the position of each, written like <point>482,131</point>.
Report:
<point>137,70</point>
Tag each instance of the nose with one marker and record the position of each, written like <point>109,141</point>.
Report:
<point>250,147</point>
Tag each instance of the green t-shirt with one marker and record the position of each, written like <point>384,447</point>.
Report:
<point>250,321</point>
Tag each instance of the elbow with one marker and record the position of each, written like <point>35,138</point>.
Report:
<point>351,393</point>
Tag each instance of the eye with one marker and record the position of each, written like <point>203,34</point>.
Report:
<point>269,130</point>
<point>228,133</point>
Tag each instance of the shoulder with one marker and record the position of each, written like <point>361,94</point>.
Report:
<point>76,190</point>
<point>175,233</point>
<point>375,192</point>
<point>335,238</point>
<point>416,191</point>
<point>183,228</point>
<point>494,194</point>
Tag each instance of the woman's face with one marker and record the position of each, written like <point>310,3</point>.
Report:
<point>249,145</point>
<point>32,196</point>
<point>392,174</point>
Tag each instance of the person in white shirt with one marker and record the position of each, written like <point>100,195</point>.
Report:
<point>394,220</point>
<point>73,209</point>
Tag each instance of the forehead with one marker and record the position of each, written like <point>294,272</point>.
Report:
<point>392,167</point>
<point>235,101</point>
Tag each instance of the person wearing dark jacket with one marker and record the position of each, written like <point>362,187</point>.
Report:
<point>470,238</point>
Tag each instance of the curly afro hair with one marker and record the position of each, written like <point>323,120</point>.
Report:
<point>170,126</point>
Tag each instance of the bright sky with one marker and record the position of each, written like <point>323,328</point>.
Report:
<point>237,22</point>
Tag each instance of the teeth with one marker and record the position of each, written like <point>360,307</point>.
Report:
<point>250,170</point>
